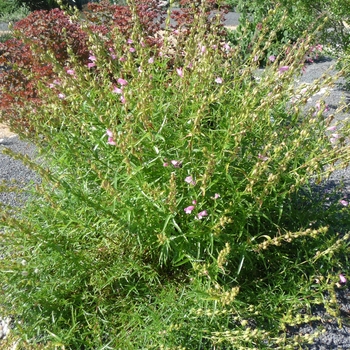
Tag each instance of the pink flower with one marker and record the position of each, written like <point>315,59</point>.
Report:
<point>272,58</point>
<point>70,71</point>
<point>130,41</point>
<point>180,72</point>
<point>227,47</point>
<point>344,202</point>
<point>122,82</point>
<point>61,96</point>
<point>189,180</point>
<point>334,138</point>
<point>122,99</point>
<point>189,209</point>
<point>342,279</point>
<point>139,70</point>
<point>91,64</point>
<point>122,59</point>
<point>92,58</point>
<point>176,163</point>
<point>57,82</point>
<point>165,164</point>
<point>216,196</point>
<point>256,58</point>
<point>203,49</point>
<point>202,214</point>
<point>151,60</point>
<point>331,128</point>
<point>218,80</point>
<point>117,90</point>
<point>110,140</point>
<point>283,69</point>
<point>194,202</point>
<point>132,49</point>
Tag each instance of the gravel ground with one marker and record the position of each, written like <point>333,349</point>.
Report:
<point>335,337</point>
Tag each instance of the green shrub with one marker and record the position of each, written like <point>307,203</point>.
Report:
<point>7,6</point>
<point>171,212</point>
<point>295,19</point>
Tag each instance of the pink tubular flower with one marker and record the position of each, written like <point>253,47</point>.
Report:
<point>334,138</point>
<point>218,80</point>
<point>165,164</point>
<point>189,180</point>
<point>189,209</point>
<point>216,196</point>
<point>70,71</point>
<point>132,49</point>
<point>180,72</point>
<point>122,99</point>
<point>151,60</point>
<point>130,41</point>
<point>122,59</point>
<point>61,96</point>
<point>272,58</point>
<point>331,128</point>
<point>283,69</point>
<point>110,140</point>
<point>176,163</point>
<point>226,47</point>
<point>117,90</point>
<point>92,58</point>
<point>344,202</point>
<point>342,279</point>
<point>202,214</point>
<point>91,64</point>
<point>122,82</point>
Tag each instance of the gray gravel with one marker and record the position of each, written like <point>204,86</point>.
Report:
<point>13,172</point>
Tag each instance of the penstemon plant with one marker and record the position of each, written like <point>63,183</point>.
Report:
<point>172,181</point>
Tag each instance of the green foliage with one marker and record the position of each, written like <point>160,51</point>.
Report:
<point>10,11</point>
<point>7,6</point>
<point>295,19</point>
<point>171,212</point>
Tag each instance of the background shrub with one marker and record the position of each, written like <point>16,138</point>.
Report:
<point>7,6</point>
<point>299,18</point>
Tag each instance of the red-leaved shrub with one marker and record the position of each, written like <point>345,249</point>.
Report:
<point>55,33</point>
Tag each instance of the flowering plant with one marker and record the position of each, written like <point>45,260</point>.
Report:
<point>173,196</point>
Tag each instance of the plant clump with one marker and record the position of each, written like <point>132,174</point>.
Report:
<point>171,212</point>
